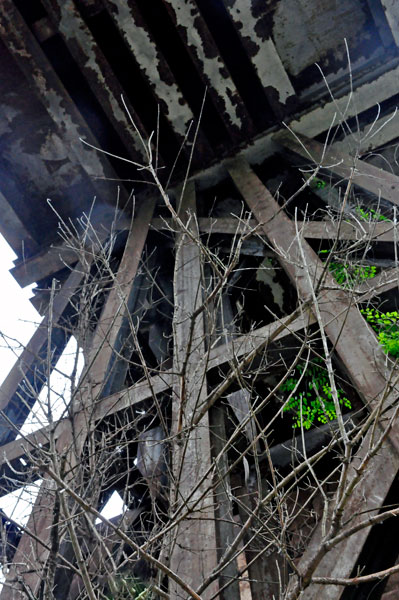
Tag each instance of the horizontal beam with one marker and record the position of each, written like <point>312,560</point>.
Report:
<point>372,179</point>
<point>384,231</point>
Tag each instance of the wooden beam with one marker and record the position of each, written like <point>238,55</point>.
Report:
<point>193,548</point>
<point>392,16</point>
<point>377,181</point>
<point>105,220</point>
<point>55,258</point>
<point>384,231</point>
<point>363,361</point>
<point>14,230</point>
<point>31,555</point>
<point>50,91</point>
<point>19,390</point>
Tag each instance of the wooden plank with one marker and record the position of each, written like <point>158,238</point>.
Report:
<point>55,258</point>
<point>70,443</point>
<point>391,9</point>
<point>116,305</point>
<point>13,229</point>
<point>193,549</point>
<point>347,327</point>
<point>20,388</point>
<point>377,181</point>
<point>226,529</point>
<point>228,225</point>
<point>97,72</point>
<point>46,85</point>
<point>383,231</point>
<point>105,219</point>
<point>358,349</point>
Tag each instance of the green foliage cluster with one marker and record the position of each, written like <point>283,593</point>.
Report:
<point>349,275</point>
<point>370,214</point>
<point>386,325</point>
<point>313,399</point>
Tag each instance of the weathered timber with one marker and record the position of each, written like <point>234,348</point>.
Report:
<point>193,544</point>
<point>55,258</point>
<point>357,348</point>
<point>116,305</point>
<point>68,121</point>
<point>226,528</point>
<point>377,181</point>
<point>327,230</point>
<point>392,16</point>
<point>70,442</point>
<point>154,68</point>
<point>14,230</point>
<point>82,46</point>
<point>105,221</point>
<point>98,558</point>
<point>262,51</point>
<point>343,323</point>
<point>19,390</point>
<point>146,389</point>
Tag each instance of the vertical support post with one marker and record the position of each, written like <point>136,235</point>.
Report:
<point>193,547</point>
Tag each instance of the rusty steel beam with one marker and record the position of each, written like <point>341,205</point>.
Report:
<point>205,56</point>
<point>52,94</point>
<point>95,68</point>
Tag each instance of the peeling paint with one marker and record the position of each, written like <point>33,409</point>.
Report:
<point>75,32</point>
<point>391,8</point>
<point>213,67</point>
<point>146,55</point>
<point>323,25</point>
<point>267,62</point>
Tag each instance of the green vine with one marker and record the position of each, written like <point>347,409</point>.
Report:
<point>313,399</point>
<point>349,275</point>
<point>370,214</point>
<point>386,325</point>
